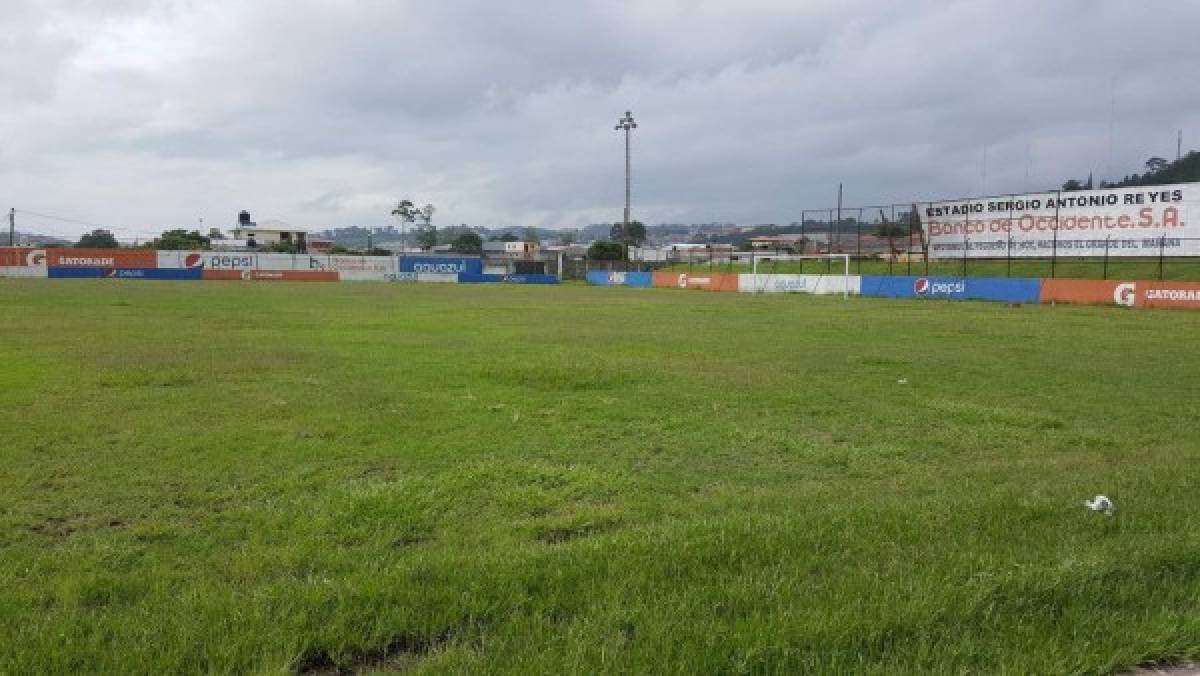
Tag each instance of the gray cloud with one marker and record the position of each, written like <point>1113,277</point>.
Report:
<point>154,114</point>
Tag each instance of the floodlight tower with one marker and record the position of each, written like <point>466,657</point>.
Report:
<point>626,123</point>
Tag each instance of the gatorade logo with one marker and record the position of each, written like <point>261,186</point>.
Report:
<point>193,261</point>
<point>921,286</point>
<point>1125,294</point>
<point>683,281</point>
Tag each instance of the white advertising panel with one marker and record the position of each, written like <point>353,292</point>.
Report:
<point>818,284</point>
<point>22,271</point>
<point>371,264</point>
<point>1142,221</point>
<point>175,260</point>
<point>439,277</point>
<point>241,260</point>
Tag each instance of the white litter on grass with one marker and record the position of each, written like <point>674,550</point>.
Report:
<point>902,381</point>
<point>1100,503</point>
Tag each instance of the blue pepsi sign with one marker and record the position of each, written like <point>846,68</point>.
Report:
<point>1016,290</point>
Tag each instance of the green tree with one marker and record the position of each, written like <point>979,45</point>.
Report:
<point>468,243</point>
<point>180,240</point>
<point>606,250</point>
<point>531,236</point>
<point>98,239</point>
<point>632,235</point>
<point>426,236</point>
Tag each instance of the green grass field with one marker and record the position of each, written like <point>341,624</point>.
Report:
<point>1174,269</point>
<point>263,478</point>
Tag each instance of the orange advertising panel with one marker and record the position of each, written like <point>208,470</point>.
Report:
<point>274,275</point>
<point>709,281</point>
<point>213,275</point>
<point>16,256</point>
<point>1184,295</point>
<point>1086,291</point>
<point>102,258</point>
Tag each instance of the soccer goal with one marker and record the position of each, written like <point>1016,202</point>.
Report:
<point>830,278</point>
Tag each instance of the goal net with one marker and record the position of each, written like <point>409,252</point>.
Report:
<point>809,273</point>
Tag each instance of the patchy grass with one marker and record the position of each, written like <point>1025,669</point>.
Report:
<point>368,477</point>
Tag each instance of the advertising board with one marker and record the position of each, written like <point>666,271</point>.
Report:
<point>181,259</point>
<point>195,273</point>
<point>816,284</point>
<point>1140,221</point>
<point>441,264</point>
<point>636,279</point>
<point>22,256</point>
<point>75,273</point>
<point>1087,292</point>
<point>1015,290</point>
<point>709,281</point>
<point>101,258</point>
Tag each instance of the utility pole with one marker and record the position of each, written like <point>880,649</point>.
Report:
<point>626,124</point>
<point>12,226</point>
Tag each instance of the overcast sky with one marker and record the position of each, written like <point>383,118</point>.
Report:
<point>146,115</point>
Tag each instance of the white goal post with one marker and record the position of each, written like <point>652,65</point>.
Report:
<point>755,257</point>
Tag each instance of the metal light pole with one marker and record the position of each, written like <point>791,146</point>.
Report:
<point>626,123</point>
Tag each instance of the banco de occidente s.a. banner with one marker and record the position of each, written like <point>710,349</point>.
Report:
<point>1142,221</point>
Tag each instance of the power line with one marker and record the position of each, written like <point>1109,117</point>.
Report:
<point>71,220</point>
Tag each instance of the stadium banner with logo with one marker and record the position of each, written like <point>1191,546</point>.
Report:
<point>1184,295</point>
<point>816,284</point>
<point>242,260</point>
<point>366,264</point>
<point>1014,290</point>
<point>709,281</point>
<point>1087,292</point>
<point>181,259</point>
<point>441,264</point>
<point>1147,294</point>
<point>156,273</point>
<point>1141,221</point>
<point>101,258</point>
<point>469,278</point>
<point>271,275</point>
<point>637,279</point>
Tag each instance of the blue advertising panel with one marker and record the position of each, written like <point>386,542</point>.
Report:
<point>1018,290</point>
<point>441,264</point>
<point>156,273</point>
<point>476,278</point>
<point>639,279</point>
<point>74,273</point>
<point>530,279</point>
<point>466,278</point>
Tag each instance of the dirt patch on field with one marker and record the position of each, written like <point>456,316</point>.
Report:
<point>397,653</point>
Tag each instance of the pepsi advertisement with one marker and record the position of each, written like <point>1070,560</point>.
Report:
<point>1015,290</point>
